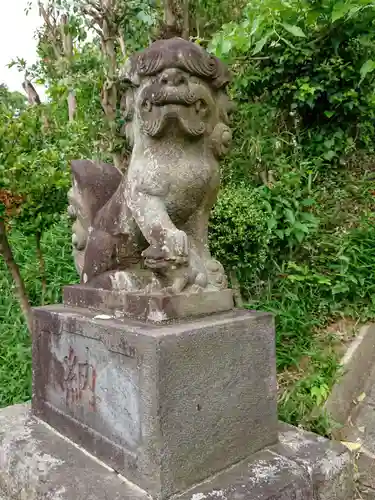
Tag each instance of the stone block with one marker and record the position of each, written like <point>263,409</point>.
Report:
<point>37,463</point>
<point>155,307</point>
<point>356,365</point>
<point>329,463</point>
<point>265,476</point>
<point>166,406</point>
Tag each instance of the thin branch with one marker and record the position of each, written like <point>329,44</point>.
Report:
<point>20,289</point>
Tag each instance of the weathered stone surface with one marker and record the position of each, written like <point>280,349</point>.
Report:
<point>155,307</point>
<point>266,476</point>
<point>148,231</point>
<point>366,470</point>
<point>166,406</point>
<point>356,365</point>
<point>329,463</point>
<point>38,464</point>
<point>364,428</point>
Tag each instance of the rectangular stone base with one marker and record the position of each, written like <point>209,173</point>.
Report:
<point>155,307</point>
<point>36,463</point>
<point>166,405</point>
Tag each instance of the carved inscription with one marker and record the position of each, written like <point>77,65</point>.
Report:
<point>79,380</point>
<point>127,349</point>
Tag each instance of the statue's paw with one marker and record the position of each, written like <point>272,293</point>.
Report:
<point>176,245</point>
<point>178,285</point>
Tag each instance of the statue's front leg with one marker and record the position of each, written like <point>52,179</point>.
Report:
<point>166,241</point>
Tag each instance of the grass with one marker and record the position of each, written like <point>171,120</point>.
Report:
<point>336,282</point>
<point>15,344</point>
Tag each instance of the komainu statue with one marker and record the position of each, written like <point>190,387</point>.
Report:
<point>145,230</point>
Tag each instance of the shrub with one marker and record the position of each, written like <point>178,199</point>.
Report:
<point>314,62</point>
<point>239,234</point>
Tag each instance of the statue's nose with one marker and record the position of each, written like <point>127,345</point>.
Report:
<point>173,77</point>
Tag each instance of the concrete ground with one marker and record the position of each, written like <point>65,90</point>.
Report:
<point>360,433</point>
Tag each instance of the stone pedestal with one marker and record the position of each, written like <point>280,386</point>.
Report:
<point>36,463</point>
<point>149,307</point>
<point>165,405</point>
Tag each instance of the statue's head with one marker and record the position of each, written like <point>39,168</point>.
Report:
<point>177,88</point>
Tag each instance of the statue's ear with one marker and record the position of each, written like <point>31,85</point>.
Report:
<point>221,139</point>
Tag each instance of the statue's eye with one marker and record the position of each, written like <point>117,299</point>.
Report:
<point>146,105</point>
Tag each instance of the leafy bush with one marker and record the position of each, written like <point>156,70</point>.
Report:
<point>313,61</point>
<point>238,232</point>
<point>304,142</point>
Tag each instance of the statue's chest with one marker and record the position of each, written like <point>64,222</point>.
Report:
<point>175,178</point>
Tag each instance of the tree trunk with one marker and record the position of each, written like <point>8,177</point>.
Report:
<point>11,264</point>
<point>42,265</point>
<point>67,42</point>
<point>72,105</point>
<point>185,21</point>
<point>169,13</point>
<point>32,94</point>
<point>176,19</point>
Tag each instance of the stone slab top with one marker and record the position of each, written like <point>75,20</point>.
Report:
<point>38,463</point>
<point>172,327</point>
<point>151,307</point>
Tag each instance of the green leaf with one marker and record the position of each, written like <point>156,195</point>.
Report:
<point>255,25</point>
<point>301,227</point>
<point>307,216</point>
<point>271,223</point>
<point>289,215</point>
<point>294,30</point>
<point>328,155</point>
<point>323,281</point>
<point>339,10</point>
<point>226,46</point>
<point>340,288</point>
<point>299,236</point>
<point>308,202</point>
<point>144,17</point>
<point>260,44</point>
<point>366,68</point>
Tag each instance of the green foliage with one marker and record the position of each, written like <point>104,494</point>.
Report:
<point>207,16</point>
<point>314,62</point>
<point>290,211</point>
<point>298,405</point>
<point>15,352</point>
<point>303,141</point>
<point>34,164</point>
<point>238,232</point>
